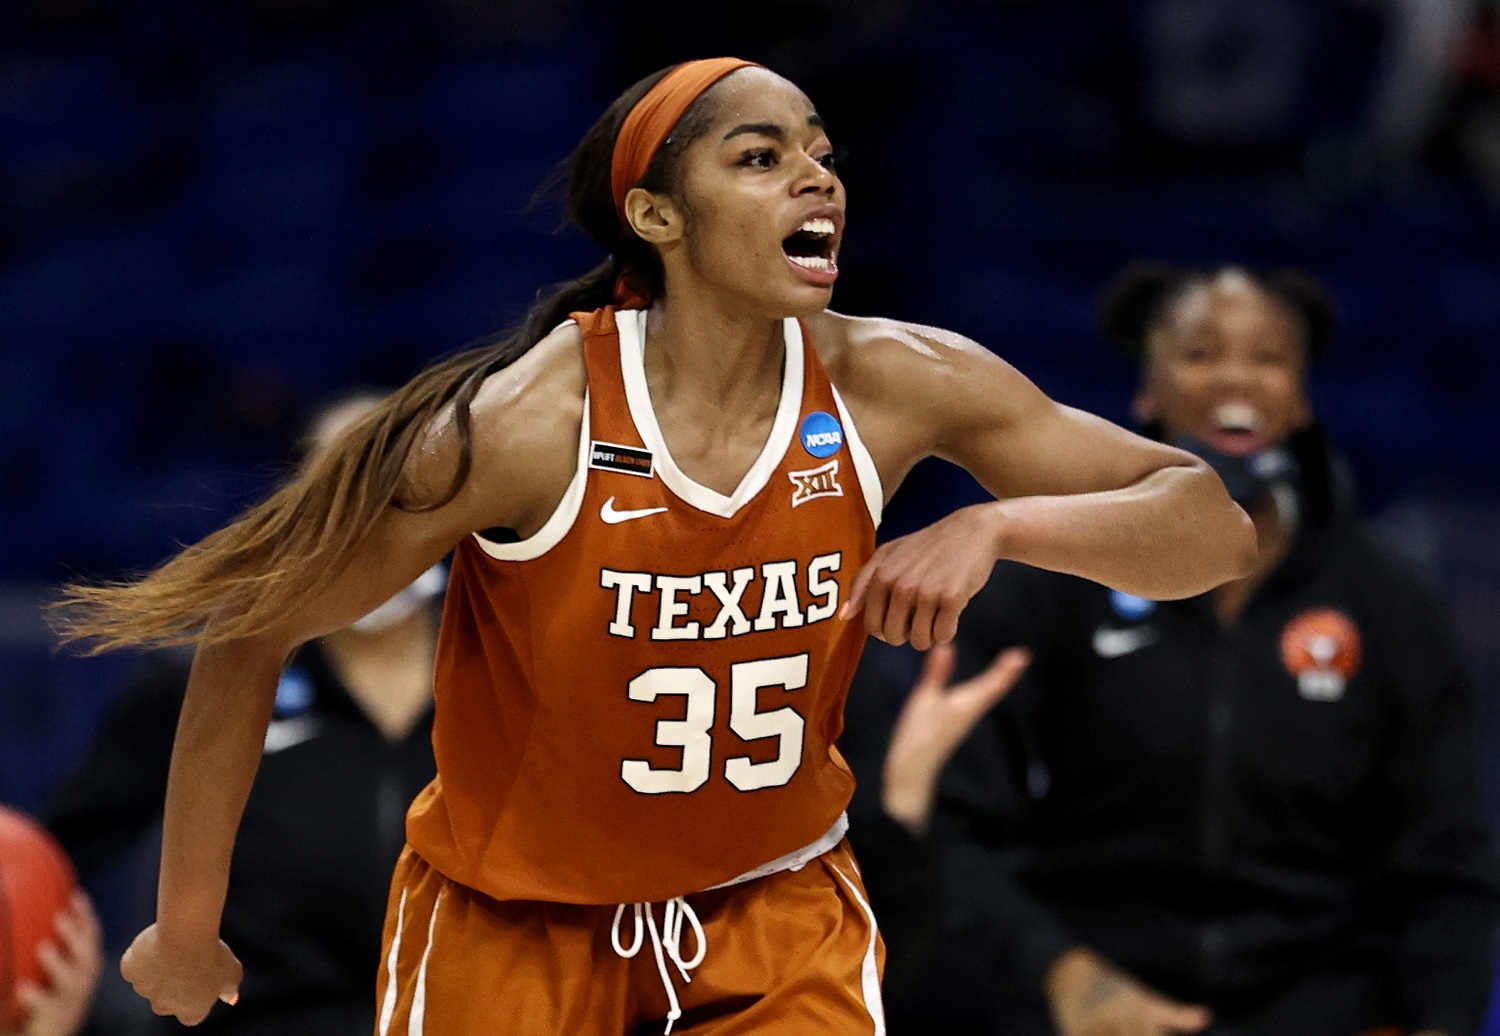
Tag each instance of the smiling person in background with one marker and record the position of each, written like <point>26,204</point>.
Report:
<point>1253,812</point>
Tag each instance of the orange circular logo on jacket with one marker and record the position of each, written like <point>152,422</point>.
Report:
<point>1320,647</point>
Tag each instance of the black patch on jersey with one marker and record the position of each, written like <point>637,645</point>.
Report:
<point>630,460</point>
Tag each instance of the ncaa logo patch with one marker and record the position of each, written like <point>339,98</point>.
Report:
<point>821,435</point>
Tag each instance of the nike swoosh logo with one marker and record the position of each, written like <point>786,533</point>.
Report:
<point>613,517</point>
<point>1113,643</point>
<point>285,733</point>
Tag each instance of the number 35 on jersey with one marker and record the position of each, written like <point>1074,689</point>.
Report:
<point>782,586</point>
<point>691,733</point>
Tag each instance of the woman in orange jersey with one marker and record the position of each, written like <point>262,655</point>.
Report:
<point>662,513</point>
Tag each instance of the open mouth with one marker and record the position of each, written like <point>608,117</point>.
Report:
<point>813,246</point>
<point>1237,429</point>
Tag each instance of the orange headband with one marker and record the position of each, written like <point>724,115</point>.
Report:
<point>651,120</point>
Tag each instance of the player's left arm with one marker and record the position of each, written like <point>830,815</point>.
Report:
<point>1074,493</point>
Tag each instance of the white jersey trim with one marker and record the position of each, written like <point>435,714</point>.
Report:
<point>869,972</point>
<point>632,326</point>
<point>416,1020</point>
<point>388,1005</point>
<point>794,860</point>
<point>561,520</point>
<point>864,464</point>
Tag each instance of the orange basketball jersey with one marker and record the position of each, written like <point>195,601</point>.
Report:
<point>640,701</point>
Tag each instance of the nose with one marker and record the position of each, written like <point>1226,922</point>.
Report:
<point>814,178</point>
<point>1233,372</point>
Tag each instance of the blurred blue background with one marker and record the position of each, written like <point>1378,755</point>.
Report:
<point>212,216</point>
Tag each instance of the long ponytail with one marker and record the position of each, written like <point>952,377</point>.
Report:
<point>237,581</point>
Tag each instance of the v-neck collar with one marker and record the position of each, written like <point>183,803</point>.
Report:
<point>632,327</point>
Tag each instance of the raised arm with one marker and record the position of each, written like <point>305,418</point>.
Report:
<point>1075,494</point>
<point>524,448</point>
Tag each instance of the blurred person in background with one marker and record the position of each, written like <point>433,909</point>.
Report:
<point>348,749</point>
<point>1253,812</point>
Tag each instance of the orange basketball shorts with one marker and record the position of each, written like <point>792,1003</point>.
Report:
<point>795,952</point>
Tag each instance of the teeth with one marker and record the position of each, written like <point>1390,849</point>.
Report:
<point>817,226</point>
<point>1237,417</point>
<point>813,262</point>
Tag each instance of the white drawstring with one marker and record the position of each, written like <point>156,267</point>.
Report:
<point>667,941</point>
<point>665,944</point>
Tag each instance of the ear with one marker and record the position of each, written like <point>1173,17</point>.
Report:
<point>653,217</point>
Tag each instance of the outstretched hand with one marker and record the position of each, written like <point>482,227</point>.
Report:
<point>1091,997</point>
<point>72,964</point>
<point>915,587</point>
<point>179,978</point>
<point>934,721</point>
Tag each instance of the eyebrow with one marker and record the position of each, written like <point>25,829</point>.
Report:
<point>772,129</point>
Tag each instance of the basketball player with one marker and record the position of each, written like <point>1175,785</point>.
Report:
<point>662,514</point>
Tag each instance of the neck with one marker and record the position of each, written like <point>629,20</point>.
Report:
<point>698,345</point>
<point>388,672</point>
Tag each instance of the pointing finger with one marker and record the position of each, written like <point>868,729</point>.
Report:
<point>877,600</point>
<point>856,599</point>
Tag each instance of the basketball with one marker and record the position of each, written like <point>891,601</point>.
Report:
<point>36,883</point>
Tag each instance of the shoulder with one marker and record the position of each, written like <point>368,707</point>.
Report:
<point>858,349</point>
<point>928,374</point>
<point>524,405</point>
<point>521,438</point>
<point>914,390</point>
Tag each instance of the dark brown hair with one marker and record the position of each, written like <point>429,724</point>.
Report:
<point>236,581</point>
<point>1144,293</point>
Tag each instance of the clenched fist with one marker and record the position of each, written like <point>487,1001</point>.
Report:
<point>179,977</point>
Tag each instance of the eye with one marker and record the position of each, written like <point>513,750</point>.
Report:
<point>830,161</point>
<point>758,158</point>
<point>1274,355</point>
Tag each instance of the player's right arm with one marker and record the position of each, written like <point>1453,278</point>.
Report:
<point>526,422</point>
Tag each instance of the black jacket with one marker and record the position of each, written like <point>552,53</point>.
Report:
<point>312,864</point>
<point>1243,817</point>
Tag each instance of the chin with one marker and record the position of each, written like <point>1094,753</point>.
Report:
<point>805,300</point>
<point>777,301</point>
